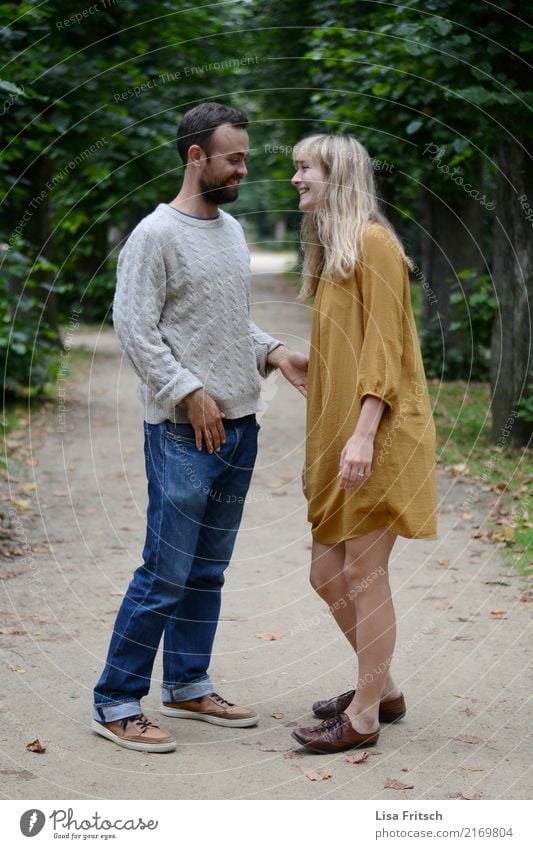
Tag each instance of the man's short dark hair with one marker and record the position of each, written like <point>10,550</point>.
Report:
<point>198,125</point>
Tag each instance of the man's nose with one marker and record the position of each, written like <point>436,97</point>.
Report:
<point>242,169</point>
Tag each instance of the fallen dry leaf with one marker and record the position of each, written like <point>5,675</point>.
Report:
<point>473,768</point>
<point>466,516</point>
<point>466,738</point>
<point>22,504</point>
<point>441,605</point>
<point>265,635</point>
<point>394,784</point>
<point>11,631</point>
<point>457,469</point>
<point>293,755</point>
<point>27,487</point>
<point>36,746</point>
<point>443,562</point>
<point>277,715</point>
<point>498,613</point>
<point>13,668</point>
<point>358,758</point>
<point>316,774</point>
<point>60,493</point>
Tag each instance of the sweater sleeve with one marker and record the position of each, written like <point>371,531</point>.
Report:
<point>382,292</point>
<point>139,300</point>
<point>263,345</point>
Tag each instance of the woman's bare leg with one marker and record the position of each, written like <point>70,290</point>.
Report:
<point>328,579</point>
<point>367,577</point>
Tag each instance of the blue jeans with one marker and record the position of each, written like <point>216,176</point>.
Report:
<point>195,505</point>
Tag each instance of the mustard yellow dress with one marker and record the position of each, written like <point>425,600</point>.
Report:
<point>364,342</point>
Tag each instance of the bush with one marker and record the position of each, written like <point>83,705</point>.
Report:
<point>465,351</point>
<point>28,346</point>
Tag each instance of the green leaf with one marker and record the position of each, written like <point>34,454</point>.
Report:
<point>441,25</point>
<point>412,127</point>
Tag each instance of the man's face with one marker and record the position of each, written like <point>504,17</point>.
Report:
<point>226,165</point>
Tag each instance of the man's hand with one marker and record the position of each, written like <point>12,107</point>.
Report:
<point>206,419</point>
<point>292,365</point>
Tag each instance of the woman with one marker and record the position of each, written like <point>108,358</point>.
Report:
<point>369,473</point>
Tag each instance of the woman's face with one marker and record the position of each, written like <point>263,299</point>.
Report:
<point>310,182</point>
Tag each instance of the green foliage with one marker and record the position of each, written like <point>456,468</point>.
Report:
<point>502,476</point>
<point>472,315</point>
<point>28,349</point>
<point>525,405</point>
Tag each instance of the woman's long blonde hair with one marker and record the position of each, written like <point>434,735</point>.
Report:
<point>332,235</point>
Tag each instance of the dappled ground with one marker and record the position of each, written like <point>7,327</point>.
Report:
<point>74,508</point>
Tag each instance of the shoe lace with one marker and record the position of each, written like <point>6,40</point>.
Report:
<point>219,700</point>
<point>331,726</point>
<point>141,722</point>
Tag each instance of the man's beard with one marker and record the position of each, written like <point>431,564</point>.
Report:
<point>217,194</point>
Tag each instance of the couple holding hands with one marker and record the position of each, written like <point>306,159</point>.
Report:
<point>181,313</point>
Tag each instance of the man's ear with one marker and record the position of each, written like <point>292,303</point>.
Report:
<point>195,155</point>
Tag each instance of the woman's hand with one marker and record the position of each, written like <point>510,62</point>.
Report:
<point>356,461</point>
<point>356,458</point>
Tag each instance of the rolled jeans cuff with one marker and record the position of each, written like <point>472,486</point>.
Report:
<point>113,712</point>
<point>185,692</point>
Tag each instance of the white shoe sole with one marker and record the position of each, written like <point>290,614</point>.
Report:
<point>128,744</point>
<point>178,713</point>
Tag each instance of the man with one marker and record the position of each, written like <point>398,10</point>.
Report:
<point>181,313</point>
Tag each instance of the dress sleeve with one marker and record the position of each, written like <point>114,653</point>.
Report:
<point>382,294</point>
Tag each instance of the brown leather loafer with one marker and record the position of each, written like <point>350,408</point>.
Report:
<point>390,711</point>
<point>334,735</point>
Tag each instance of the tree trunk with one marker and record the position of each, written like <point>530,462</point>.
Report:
<point>451,241</point>
<point>513,284</point>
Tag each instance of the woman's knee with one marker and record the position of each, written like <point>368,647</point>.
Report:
<point>361,575</point>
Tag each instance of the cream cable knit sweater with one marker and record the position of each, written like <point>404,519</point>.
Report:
<point>181,313</point>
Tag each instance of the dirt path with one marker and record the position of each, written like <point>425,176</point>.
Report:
<point>463,671</point>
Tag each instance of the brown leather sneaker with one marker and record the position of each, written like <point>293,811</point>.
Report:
<point>212,708</point>
<point>334,735</point>
<point>136,732</point>
<point>389,711</point>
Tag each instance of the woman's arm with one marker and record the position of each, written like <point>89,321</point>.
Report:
<point>356,458</point>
